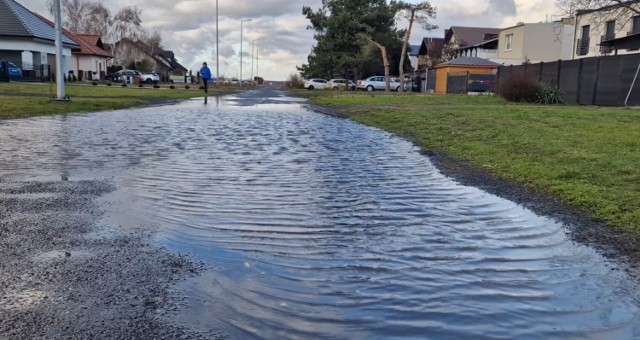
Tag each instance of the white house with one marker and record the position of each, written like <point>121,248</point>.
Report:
<point>28,41</point>
<point>609,30</point>
<point>534,43</point>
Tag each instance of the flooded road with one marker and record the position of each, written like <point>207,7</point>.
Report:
<point>318,227</point>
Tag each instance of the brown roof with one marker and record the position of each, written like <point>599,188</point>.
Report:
<point>471,35</point>
<point>90,44</point>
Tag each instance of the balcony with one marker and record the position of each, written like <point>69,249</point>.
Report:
<point>582,47</point>
<point>606,49</point>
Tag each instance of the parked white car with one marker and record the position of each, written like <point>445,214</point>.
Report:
<point>150,78</point>
<point>313,84</point>
<point>378,83</point>
<point>340,84</point>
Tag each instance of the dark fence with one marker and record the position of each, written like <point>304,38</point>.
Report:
<point>604,81</point>
<point>463,83</point>
<point>457,83</point>
<point>4,71</point>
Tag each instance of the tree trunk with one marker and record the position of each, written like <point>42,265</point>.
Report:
<point>385,62</point>
<point>407,35</point>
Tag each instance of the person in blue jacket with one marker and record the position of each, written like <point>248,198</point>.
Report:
<point>205,73</point>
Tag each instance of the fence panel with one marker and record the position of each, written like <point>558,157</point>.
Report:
<point>482,83</point>
<point>457,83</point>
<point>587,83</point>
<point>431,81</point>
<point>609,80</point>
<point>4,71</point>
<point>569,80</point>
<point>550,75</point>
<point>628,67</point>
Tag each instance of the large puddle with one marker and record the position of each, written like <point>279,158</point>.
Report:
<point>318,227</point>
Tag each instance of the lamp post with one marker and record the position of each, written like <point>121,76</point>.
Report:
<point>241,43</point>
<point>60,72</point>
<point>253,51</point>
<point>217,49</point>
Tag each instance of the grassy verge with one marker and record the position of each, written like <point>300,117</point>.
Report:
<point>20,107</point>
<point>587,156</point>
<point>31,99</point>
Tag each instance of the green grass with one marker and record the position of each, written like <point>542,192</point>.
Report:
<point>19,100</point>
<point>587,156</point>
<point>20,107</point>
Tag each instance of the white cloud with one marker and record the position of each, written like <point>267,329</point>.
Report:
<point>188,27</point>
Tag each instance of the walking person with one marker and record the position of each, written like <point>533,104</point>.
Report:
<point>205,73</point>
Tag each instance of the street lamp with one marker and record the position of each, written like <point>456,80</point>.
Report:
<point>217,49</point>
<point>241,43</point>
<point>253,51</point>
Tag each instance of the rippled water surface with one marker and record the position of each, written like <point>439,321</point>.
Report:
<point>317,227</point>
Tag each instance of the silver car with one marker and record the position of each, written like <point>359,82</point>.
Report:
<point>377,83</point>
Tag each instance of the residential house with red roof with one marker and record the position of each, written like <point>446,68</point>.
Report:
<point>89,58</point>
<point>27,40</point>
<point>481,42</point>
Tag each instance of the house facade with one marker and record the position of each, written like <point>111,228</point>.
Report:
<point>480,42</point>
<point>90,61</point>
<point>29,42</point>
<point>164,62</point>
<point>430,53</point>
<point>534,43</point>
<point>599,31</point>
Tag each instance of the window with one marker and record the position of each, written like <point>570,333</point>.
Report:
<point>611,29</point>
<point>509,44</point>
<point>636,25</point>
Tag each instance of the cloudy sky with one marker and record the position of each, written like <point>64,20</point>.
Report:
<point>188,27</point>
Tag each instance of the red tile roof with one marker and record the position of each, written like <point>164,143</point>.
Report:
<point>90,44</point>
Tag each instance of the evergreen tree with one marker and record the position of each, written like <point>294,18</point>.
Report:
<point>340,51</point>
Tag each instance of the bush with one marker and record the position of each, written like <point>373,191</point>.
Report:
<point>549,95</point>
<point>124,85</point>
<point>140,85</point>
<point>295,81</point>
<point>156,86</point>
<point>172,87</point>
<point>186,87</point>
<point>109,83</point>
<point>94,83</point>
<point>201,87</point>
<point>519,88</point>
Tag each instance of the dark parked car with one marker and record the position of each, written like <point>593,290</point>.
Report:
<point>14,71</point>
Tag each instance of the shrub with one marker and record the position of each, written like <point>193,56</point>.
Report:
<point>140,85</point>
<point>94,83</point>
<point>295,81</point>
<point>549,95</point>
<point>156,86</point>
<point>172,87</point>
<point>201,87</point>
<point>124,85</point>
<point>186,87</point>
<point>519,88</point>
<point>109,83</point>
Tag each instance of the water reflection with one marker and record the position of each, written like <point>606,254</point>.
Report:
<point>318,227</point>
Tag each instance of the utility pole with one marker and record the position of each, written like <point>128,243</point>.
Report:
<point>59,70</point>
<point>217,49</point>
<point>241,43</point>
<point>253,51</point>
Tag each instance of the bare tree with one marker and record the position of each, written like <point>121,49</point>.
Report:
<point>154,41</point>
<point>83,17</point>
<point>73,13</point>
<point>617,10</point>
<point>125,24</point>
<point>98,20</point>
<point>419,13</point>
<point>385,61</point>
